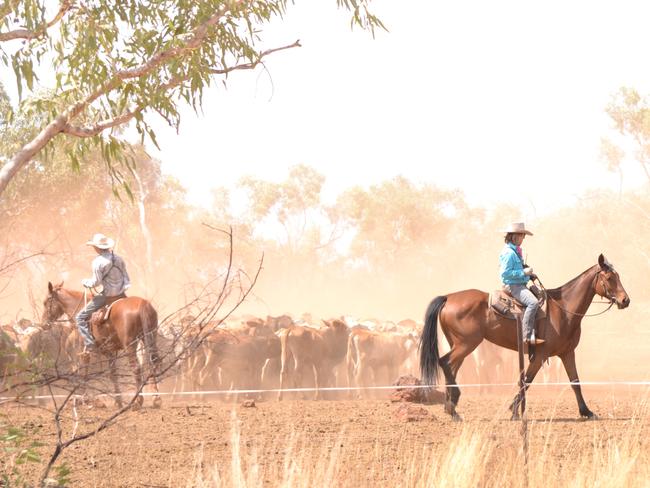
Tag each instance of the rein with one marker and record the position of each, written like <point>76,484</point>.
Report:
<point>612,300</point>
<point>69,319</point>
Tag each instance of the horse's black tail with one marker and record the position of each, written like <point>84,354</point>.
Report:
<point>429,356</point>
<point>149,319</point>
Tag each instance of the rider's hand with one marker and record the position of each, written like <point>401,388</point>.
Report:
<point>528,271</point>
<point>86,283</point>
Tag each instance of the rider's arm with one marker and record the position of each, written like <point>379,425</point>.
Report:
<point>98,274</point>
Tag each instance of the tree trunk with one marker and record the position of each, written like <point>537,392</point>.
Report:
<point>29,150</point>
<point>145,232</point>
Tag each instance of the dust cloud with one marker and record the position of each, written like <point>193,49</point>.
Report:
<point>389,271</point>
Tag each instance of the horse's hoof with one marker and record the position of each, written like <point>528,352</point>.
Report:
<point>589,415</point>
<point>449,408</point>
<point>157,402</point>
<point>456,418</point>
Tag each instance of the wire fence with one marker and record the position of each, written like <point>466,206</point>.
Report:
<point>348,388</point>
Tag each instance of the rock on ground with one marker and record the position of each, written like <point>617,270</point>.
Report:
<point>415,394</point>
<point>411,413</point>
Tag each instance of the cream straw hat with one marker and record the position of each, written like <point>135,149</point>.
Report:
<point>100,241</point>
<point>517,228</point>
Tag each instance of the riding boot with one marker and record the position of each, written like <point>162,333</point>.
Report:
<point>531,346</point>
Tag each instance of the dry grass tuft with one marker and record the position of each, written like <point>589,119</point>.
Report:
<point>475,458</point>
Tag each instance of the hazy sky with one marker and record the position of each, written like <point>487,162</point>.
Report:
<point>502,99</point>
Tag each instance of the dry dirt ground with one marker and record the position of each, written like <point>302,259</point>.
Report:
<point>357,442</point>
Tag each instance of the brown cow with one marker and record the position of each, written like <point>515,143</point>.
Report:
<point>378,355</point>
<point>277,323</point>
<point>315,351</point>
<point>202,368</point>
<point>238,358</point>
<point>47,347</point>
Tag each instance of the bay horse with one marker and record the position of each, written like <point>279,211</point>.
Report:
<point>131,320</point>
<point>465,320</point>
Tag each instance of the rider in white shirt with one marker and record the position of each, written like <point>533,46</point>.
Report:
<point>109,271</point>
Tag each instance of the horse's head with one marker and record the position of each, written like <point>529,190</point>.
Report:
<point>608,284</point>
<point>52,306</point>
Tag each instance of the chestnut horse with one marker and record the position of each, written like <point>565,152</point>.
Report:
<point>131,319</point>
<point>466,320</point>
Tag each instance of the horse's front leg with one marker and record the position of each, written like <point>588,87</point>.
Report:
<point>569,361</point>
<point>531,372</point>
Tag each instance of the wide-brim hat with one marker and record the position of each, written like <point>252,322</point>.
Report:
<point>517,228</point>
<point>100,241</point>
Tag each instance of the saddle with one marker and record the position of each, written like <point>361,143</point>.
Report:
<point>101,316</point>
<point>503,304</point>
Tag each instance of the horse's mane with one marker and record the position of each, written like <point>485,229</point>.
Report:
<point>75,292</point>
<point>556,292</point>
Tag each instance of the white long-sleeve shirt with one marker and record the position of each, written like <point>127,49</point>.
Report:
<point>109,270</point>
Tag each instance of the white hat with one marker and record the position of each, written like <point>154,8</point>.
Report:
<point>517,228</point>
<point>100,241</point>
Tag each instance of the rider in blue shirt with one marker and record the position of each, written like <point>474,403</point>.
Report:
<point>515,275</point>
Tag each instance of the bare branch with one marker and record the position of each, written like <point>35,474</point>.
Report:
<point>254,64</point>
<point>4,267</point>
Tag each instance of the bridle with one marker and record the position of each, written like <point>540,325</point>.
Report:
<point>603,283</point>
<point>55,296</point>
<point>608,295</point>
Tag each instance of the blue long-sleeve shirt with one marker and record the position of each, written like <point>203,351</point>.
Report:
<point>512,266</point>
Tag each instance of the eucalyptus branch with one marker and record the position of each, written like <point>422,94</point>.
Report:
<point>27,34</point>
<point>161,57</point>
<point>258,60</point>
<point>148,66</point>
<point>93,130</point>
<point>7,8</point>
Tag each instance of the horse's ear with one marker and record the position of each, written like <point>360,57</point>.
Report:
<point>602,261</point>
<point>49,286</point>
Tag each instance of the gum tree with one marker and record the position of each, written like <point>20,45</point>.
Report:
<point>114,62</point>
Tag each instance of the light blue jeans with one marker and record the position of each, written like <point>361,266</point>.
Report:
<point>83,318</point>
<point>525,296</point>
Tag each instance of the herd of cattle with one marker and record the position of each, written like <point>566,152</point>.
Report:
<point>276,353</point>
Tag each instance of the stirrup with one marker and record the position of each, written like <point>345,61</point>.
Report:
<point>532,340</point>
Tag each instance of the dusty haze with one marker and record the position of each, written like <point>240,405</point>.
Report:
<point>390,267</point>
